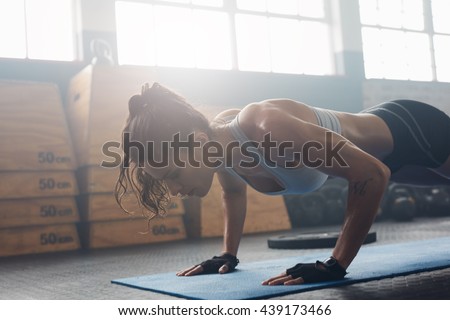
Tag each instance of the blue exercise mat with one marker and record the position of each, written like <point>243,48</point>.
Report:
<point>372,263</point>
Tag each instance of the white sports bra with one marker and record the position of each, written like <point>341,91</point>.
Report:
<point>292,180</point>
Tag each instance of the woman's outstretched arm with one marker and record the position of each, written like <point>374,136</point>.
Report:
<point>333,155</point>
<point>234,206</point>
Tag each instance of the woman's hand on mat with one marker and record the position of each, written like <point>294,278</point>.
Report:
<point>284,279</point>
<point>218,264</point>
<point>328,270</point>
<point>192,271</point>
<point>198,269</point>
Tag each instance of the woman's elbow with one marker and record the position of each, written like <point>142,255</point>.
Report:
<point>379,174</point>
<point>382,172</point>
<point>375,171</point>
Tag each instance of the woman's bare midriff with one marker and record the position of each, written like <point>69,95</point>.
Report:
<point>368,132</point>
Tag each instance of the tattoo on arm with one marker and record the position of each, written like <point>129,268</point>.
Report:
<point>360,187</point>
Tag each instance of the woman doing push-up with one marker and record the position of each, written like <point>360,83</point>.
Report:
<point>280,147</point>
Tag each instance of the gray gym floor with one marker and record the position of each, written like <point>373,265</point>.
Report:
<point>87,274</point>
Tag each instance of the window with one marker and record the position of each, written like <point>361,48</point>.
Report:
<point>175,36</point>
<point>284,36</point>
<point>37,29</point>
<point>441,38</point>
<point>406,39</point>
<point>287,36</point>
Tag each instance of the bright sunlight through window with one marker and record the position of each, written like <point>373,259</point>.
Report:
<point>398,45</point>
<point>37,29</point>
<point>283,36</point>
<point>172,36</point>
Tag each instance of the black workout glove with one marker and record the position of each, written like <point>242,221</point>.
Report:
<point>329,270</point>
<point>213,265</point>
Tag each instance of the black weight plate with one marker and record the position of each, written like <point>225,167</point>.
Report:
<point>311,240</point>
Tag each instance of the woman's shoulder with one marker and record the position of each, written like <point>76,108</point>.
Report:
<point>271,107</point>
<point>225,116</point>
<point>255,118</point>
<point>263,108</point>
<point>250,111</point>
<point>260,114</point>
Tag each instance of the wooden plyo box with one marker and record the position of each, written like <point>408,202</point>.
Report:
<point>38,239</point>
<point>38,211</point>
<point>204,217</point>
<point>16,185</point>
<point>98,107</point>
<point>96,179</point>
<point>106,234</point>
<point>103,207</point>
<point>33,130</point>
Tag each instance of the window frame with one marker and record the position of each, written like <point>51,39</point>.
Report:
<point>76,48</point>
<point>231,9</point>
<point>428,30</point>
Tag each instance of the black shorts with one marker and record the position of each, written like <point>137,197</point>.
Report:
<point>421,133</point>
